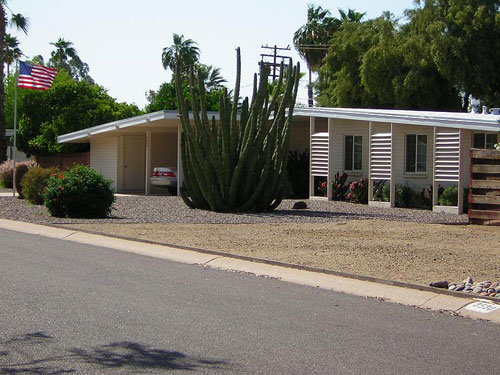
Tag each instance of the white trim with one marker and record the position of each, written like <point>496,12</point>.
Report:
<point>84,134</point>
<point>458,120</point>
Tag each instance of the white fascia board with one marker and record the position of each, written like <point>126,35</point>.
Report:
<point>421,118</point>
<point>122,124</point>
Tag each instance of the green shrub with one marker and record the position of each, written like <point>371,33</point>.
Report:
<point>381,191</point>
<point>339,187</point>
<point>358,192</point>
<point>34,182</point>
<point>449,196</point>
<point>21,169</point>
<point>79,192</point>
<point>404,196</point>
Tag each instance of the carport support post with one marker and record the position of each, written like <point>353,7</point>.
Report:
<point>461,172</point>
<point>370,181</point>
<point>179,159</point>
<point>393,182</point>
<point>147,188</point>
<point>435,186</point>
<point>312,129</point>
<point>329,179</point>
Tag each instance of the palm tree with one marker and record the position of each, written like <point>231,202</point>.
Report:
<point>21,23</point>
<point>311,40</point>
<point>211,75</point>
<point>63,53</point>
<point>65,57</point>
<point>12,51</point>
<point>351,15</point>
<point>183,52</point>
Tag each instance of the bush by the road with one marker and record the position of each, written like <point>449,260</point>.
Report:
<point>79,192</point>
<point>34,183</point>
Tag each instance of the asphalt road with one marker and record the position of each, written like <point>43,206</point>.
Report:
<point>71,308</point>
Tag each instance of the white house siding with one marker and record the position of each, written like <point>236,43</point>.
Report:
<point>104,157</point>
<point>414,180</point>
<point>340,129</point>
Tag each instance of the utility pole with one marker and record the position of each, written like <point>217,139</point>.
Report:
<point>274,64</point>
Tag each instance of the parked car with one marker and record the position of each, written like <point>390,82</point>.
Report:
<point>166,178</point>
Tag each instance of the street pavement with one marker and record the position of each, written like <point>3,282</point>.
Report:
<point>67,307</point>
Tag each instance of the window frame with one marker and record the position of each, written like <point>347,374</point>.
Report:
<point>485,140</point>
<point>415,171</point>
<point>353,150</point>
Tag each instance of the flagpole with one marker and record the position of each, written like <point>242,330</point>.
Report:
<point>15,137</point>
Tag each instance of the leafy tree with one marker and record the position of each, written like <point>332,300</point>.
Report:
<point>311,39</point>
<point>164,98</point>
<point>463,38</point>
<point>68,106</point>
<point>21,23</point>
<point>183,52</point>
<point>65,57</point>
<point>379,64</point>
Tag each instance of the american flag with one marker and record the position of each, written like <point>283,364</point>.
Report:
<point>36,77</point>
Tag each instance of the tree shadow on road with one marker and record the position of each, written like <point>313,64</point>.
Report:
<point>23,354</point>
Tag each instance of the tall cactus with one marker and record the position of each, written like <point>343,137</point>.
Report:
<point>238,162</point>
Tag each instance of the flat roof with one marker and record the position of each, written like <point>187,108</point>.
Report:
<point>458,120</point>
<point>148,118</point>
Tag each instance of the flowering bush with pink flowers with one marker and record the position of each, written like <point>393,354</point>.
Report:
<point>358,191</point>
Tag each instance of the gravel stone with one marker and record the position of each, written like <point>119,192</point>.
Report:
<point>168,209</point>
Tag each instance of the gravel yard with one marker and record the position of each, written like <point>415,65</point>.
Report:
<point>399,244</point>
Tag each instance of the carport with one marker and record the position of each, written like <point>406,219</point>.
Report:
<point>126,151</point>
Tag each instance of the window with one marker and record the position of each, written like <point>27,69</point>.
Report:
<point>416,153</point>
<point>353,152</point>
<point>484,140</point>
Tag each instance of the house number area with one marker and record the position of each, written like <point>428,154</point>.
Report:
<point>482,307</point>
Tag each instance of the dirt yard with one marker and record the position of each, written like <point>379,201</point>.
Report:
<point>409,252</point>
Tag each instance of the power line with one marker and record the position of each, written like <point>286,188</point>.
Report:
<point>275,66</point>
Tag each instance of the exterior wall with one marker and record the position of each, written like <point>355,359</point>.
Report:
<point>164,150</point>
<point>299,134</point>
<point>416,181</point>
<point>340,129</point>
<point>104,157</point>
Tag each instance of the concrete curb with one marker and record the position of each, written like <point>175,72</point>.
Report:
<point>391,291</point>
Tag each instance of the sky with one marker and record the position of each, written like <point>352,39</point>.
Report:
<point>122,40</point>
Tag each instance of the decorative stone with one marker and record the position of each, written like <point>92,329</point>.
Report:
<point>301,205</point>
<point>477,289</point>
<point>486,284</point>
<point>491,294</point>
<point>460,287</point>
<point>439,284</point>
<point>497,295</point>
<point>495,285</point>
<point>468,280</point>
<point>497,289</point>
<point>491,290</point>
<point>452,287</point>
<point>483,294</point>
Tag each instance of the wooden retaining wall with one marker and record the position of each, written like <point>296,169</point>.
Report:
<point>484,187</point>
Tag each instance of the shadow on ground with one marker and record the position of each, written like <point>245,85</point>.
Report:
<point>27,354</point>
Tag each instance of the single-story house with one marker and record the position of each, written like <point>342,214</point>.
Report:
<point>421,149</point>
<point>126,151</point>
<point>417,148</point>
